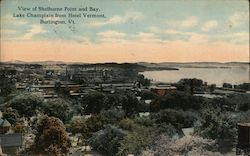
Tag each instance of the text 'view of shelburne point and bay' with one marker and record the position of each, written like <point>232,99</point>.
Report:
<point>124,78</point>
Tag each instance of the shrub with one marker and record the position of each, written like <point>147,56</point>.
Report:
<point>107,141</point>
<point>51,137</point>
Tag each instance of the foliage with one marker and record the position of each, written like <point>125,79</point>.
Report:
<point>190,85</point>
<point>140,134</point>
<point>94,124</point>
<point>92,103</point>
<point>6,83</point>
<point>19,127</point>
<point>51,137</point>
<point>112,116</point>
<point>143,81</point>
<point>57,108</point>
<point>136,140</point>
<point>10,114</point>
<point>239,102</point>
<point>148,95</point>
<point>26,104</point>
<point>178,119</point>
<point>216,122</point>
<point>107,141</point>
<point>194,145</point>
<point>130,104</point>
<point>177,100</point>
<point>244,86</point>
<point>77,125</point>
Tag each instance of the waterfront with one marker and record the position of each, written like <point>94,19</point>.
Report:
<point>233,74</point>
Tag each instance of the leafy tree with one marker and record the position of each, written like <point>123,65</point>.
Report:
<point>78,125</point>
<point>164,145</point>
<point>140,134</point>
<point>112,116</point>
<point>216,123</point>
<point>107,141</point>
<point>92,103</point>
<point>136,140</point>
<point>89,126</point>
<point>177,100</point>
<point>26,104</point>
<point>178,119</point>
<point>7,82</point>
<point>57,108</point>
<point>10,114</point>
<point>148,95</point>
<point>130,104</point>
<point>19,127</point>
<point>143,81</point>
<point>51,137</point>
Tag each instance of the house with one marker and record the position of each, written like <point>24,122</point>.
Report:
<point>4,126</point>
<point>162,89</point>
<point>10,143</point>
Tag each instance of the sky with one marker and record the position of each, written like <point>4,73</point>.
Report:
<point>132,31</point>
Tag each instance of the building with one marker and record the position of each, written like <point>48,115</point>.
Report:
<point>10,143</point>
<point>4,126</point>
<point>243,144</point>
<point>162,90</point>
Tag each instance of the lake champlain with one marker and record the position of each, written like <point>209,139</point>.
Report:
<point>234,74</point>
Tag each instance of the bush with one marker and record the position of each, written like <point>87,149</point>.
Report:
<point>136,140</point>
<point>11,115</point>
<point>214,124</point>
<point>179,119</point>
<point>194,145</point>
<point>92,103</point>
<point>51,137</point>
<point>107,141</point>
<point>177,100</point>
<point>57,108</point>
<point>26,104</point>
<point>77,125</point>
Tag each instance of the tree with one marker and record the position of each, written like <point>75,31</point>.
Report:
<point>190,85</point>
<point>51,137</point>
<point>10,114</point>
<point>140,134</point>
<point>177,118</point>
<point>107,141</point>
<point>78,125</point>
<point>26,104</point>
<point>92,103</point>
<point>136,140</point>
<point>177,100</point>
<point>216,123</point>
<point>143,81</point>
<point>148,95</point>
<point>19,127</point>
<point>130,104</point>
<point>57,108</point>
<point>164,145</point>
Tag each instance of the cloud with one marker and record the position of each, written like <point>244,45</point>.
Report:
<point>10,20</point>
<point>146,37</point>
<point>189,22</point>
<point>115,20</point>
<point>238,18</point>
<point>8,31</point>
<point>35,29</point>
<point>209,25</point>
<point>186,23</point>
<point>153,29</point>
<point>111,33</point>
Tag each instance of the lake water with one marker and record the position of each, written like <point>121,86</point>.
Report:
<point>218,76</point>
